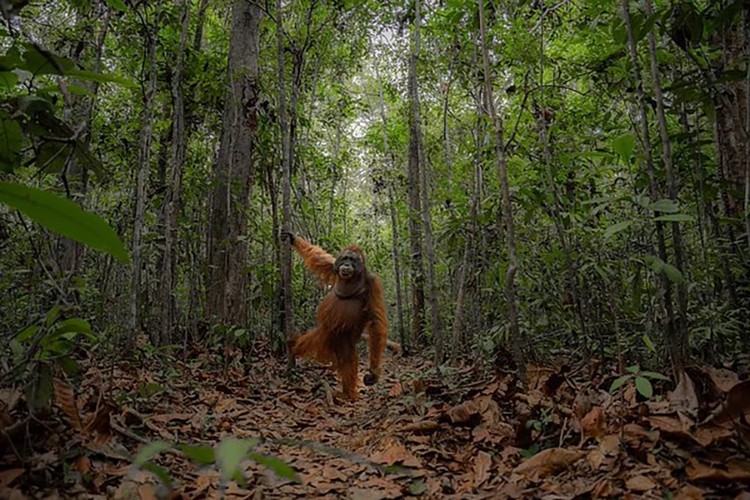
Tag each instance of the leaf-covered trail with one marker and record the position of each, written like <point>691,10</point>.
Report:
<point>468,435</point>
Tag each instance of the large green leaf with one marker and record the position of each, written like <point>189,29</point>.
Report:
<point>231,452</point>
<point>11,137</point>
<point>616,228</point>
<point>63,217</point>
<point>117,4</point>
<point>675,218</point>
<point>624,146</point>
<point>101,77</point>
<point>643,386</point>
<point>40,62</point>
<point>278,466</point>
<point>665,205</point>
<point>674,274</point>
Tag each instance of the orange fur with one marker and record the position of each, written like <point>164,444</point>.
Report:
<point>343,317</point>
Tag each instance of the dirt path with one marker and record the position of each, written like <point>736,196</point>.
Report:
<point>355,450</point>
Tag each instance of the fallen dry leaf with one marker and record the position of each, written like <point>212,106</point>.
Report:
<point>592,425</point>
<point>8,476</point>
<point>394,453</point>
<point>464,413</point>
<point>640,484</point>
<point>689,492</point>
<point>735,470</point>
<point>482,466</point>
<point>683,398</point>
<point>396,390</point>
<point>65,399</point>
<point>548,462</point>
<point>723,379</point>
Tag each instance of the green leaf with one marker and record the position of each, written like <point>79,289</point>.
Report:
<point>77,325</point>
<point>278,466</point>
<point>665,205</point>
<point>101,77</point>
<point>675,218</point>
<point>633,369</point>
<point>117,4</point>
<point>624,146</point>
<point>656,376</point>
<point>52,156</point>
<point>158,471</point>
<point>616,228</point>
<point>644,387</point>
<point>618,382</point>
<point>648,25</point>
<point>231,453</point>
<point>8,80</point>
<point>52,315</point>
<point>648,343</point>
<point>27,333</point>
<point>150,451</point>
<point>654,263</point>
<point>673,274</point>
<point>201,454</point>
<point>619,32</point>
<point>418,487</point>
<point>40,62</point>
<point>64,217</point>
<point>11,137</point>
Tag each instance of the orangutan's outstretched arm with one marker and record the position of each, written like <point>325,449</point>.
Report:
<point>316,259</point>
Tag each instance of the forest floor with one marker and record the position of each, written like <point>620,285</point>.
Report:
<point>467,434</point>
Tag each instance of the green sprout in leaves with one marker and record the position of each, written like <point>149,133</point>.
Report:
<point>641,379</point>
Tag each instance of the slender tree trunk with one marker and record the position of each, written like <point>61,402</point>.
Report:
<point>144,163</point>
<point>394,223</point>
<point>172,197</point>
<point>746,43</point>
<point>286,188</point>
<point>415,201</point>
<point>679,347</point>
<point>78,111</point>
<point>654,190</point>
<point>457,329</point>
<point>502,171</point>
<point>233,172</point>
<point>429,248</point>
<point>201,21</point>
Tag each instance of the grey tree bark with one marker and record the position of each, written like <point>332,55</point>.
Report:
<point>654,190</point>
<point>286,189</point>
<point>415,198</point>
<point>394,222</point>
<point>227,278</point>
<point>680,342</point>
<point>502,171</point>
<point>144,164</point>
<point>172,196</point>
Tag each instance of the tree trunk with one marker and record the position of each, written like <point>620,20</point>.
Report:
<point>172,196</point>
<point>502,171</point>
<point>654,190</point>
<point>78,111</point>
<point>680,342</point>
<point>286,189</point>
<point>415,202</point>
<point>233,171</point>
<point>144,163</point>
<point>198,39</point>
<point>394,223</point>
